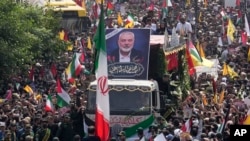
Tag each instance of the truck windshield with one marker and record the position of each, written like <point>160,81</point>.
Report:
<point>76,25</point>
<point>123,101</point>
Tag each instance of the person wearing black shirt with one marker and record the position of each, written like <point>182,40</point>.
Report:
<point>91,135</point>
<point>161,29</point>
<point>164,84</point>
<point>149,16</point>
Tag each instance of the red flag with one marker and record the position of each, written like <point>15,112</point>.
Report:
<point>9,94</point>
<point>82,57</point>
<point>41,72</point>
<point>172,61</point>
<point>190,63</point>
<point>110,6</point>
<point>178,17</point>
<point>53,70</point>
<point>237,2</point>
<point>243,37</point>
<point>66,38</point>
<point>95,9</point>
<point>214,86</point>
<point>151,7</point>
<point>79,2</point>
<point>31,73</point>
<point>164,3</point>
<point>187,126</point>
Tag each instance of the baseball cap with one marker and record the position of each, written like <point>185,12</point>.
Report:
<point>139,130</point>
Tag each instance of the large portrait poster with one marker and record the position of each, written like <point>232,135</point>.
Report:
<point>128,53</point>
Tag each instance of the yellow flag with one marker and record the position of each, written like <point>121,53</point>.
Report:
<point>247,120</point>
<point>200,15</point>
<point>205,3</point>
<point>200,50</point>
<point>61,35</point>
<point>222,95</point>
<point>28,89</point>
<point>99,1</point>
<point>205,62</point>
<point>215,99</point>
<point>248,55</point>
<point>1,100</point>
<point>188,2</point>
<point>119,19</point>
<point>230,30</point>
<point>204,100</point>
<point>227,70</point>
<point>130,25</point>
<point>89,46</point>
<point>83,4</point>
<point>38,97</point>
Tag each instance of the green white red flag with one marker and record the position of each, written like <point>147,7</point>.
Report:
<point>102,92</point>
<point>49,107</point>
<point>74,68</point>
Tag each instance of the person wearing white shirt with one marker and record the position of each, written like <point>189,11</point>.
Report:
<point>184,28</point>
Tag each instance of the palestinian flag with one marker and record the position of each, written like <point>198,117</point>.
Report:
<point>197,59</point>
<point>110,8</point>
<point>63,97</point>
<point>194,52</point>
<point>130,21</point>
<point>74,68</point>
<point>239,17</point>
<point>131,131</point>
<point>190,63</point>
<point>164,10</point>
<point>49,105</point>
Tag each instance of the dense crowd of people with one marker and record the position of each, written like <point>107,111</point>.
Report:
<point>214,103</point>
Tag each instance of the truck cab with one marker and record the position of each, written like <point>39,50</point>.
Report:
<point>131,102</point>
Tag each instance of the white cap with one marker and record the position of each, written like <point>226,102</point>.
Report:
<point>177,132</point>
<point>2,124</point>
<point>224,79</point>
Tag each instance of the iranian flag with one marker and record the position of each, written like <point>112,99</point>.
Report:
<point>102,95</point>
<point>49,105</point>
<point>63,98</point>
<point>223,14</point>
<point>130,21</point>
<point>74,68</point>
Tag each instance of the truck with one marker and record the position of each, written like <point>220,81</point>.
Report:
<point>133,104</point>
<point>74,17</point>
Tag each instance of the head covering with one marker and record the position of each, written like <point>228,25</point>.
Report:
<point>122,133</point>
<point>139,130</point>
<point>2,124</point>
<point>169,137</point>
<point>27,120</point>
<point>177,132</point>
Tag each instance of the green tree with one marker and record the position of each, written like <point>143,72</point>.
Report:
<point>27,34</point>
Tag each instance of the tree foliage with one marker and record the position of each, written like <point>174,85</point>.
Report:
<point>27,35</point>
